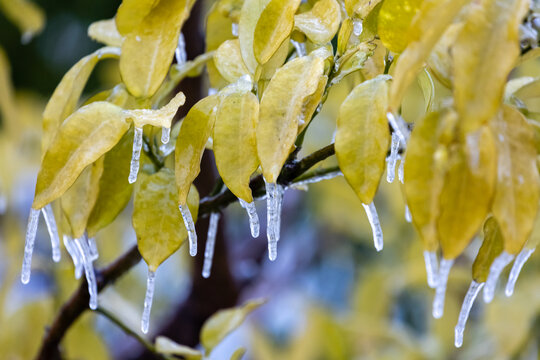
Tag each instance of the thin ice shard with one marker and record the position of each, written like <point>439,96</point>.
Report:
<point>165,135</point>
<point>317,179</point>
<point>468,302</point>
<point>234,29</point>
<point>31,229</point>
<point>300,48</point>
<point>280,191</point>
<point>94,254</point>
<point>399,126</point>
<point>408,216</point>
<point>495,271</point>
<point>373,218</point>
<point>392,159</point>
<point>440,291</point>
<point>210,243</point>
<point>401,171</point>
<point>272,230</point>
<point>48,215</point>
<point>84,251</point>
<point>180,52</point>
<point>251,210</point>
<point>135,157</point>
<point>522,257</point>
<point>149,297</point>
<point>73,251</point>
<point>190,227</point>
<point>432,265</point>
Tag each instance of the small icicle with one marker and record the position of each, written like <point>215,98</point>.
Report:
<point>271,219</point>
<point>149,297</point>
<point>210,243</point>
<point>432,265</point>
<point>280,191</point>
<point>165,135</point>
<point>495,270</point>
<point>440,291</point>
<point>357,27</point>
<point>31,230</point>
<point>471,295</point>
<point>408,216</point>
<point>75,256</point>
<point>135,157</point>
<point>399,126</point>
<point>89,272</point>
<point>3,203</point>
<point>94,254</point>
<point>48,215</point>
<point>190,226</point>
<point>373,218</point>
<point>392,159</point>
<point>253,217</point>
<point>401,171</point>
<point>522,257</point>
<point>180,52</point>
<point>299,47</point>
<point>234,29</point>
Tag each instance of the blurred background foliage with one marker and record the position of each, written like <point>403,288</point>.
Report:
<point>330,295</point>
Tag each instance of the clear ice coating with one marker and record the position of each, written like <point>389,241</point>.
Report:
<point>373,218</point>
<point>76,257</point>
<point>48,215</point>
<point>136,155</point>
<point>432,265</point>
<point>392,159</point>
<point>234,29</point>
<point>401,171</point>
<point>273,217</point>
<point>190,227</point>
<point>251,210</point>
<point>522,257</point>
<point>84,251</point>
<point>180,52</point>
<point>357,27</point>
<point>300,48</point>
<point>94,254</point>
<point>399,126</point>
<point>148,298</point>
<point>468,302</point>
<point>440,290</point>
<point>31,230</point>
<point>408,216</point>
<point>495,271</point>
<point>210,244</point>
<point>317,179</point>
<point>165,135</point>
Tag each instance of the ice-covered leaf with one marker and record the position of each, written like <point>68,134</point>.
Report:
<point>249,16</point>
<point>370,24</point>
<point>353,60</point>
<point>394,22</point>
<point>440,59</point>
<point>517,191</point>
<point>229,62</point>
<point>363,136</point>
<point>157,223</point>
<point>26,15</point>
<point>166,346</point>
<point>492,246</point>
<point>215,34</point>
<point>238,354</point>
<point>161,117</point>
<point>105,32</point>
<point>344,34</point>
<point>321,23</point>
<point>312,103</point>
<point>361,8</point>
<point>428,89</point>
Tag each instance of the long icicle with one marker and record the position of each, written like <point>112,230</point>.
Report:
<point>440,291</point>
<point>495,270</point>
<point>432,267</point>
<point>180,52</point>
<point>468,301</point>
<point>271,219</point>
<point>399,126</point>
<point>136,155</point>
<point>73,251</point>
<point>251,210</point>
<point>148,299</point>
<point>392,159</point>
<point>94,254</point>
<point>210,244</point>
<point>82,246</point>
<point>48,215</point>
<point>31,230</point>
<point>522,257</point>
<point>373,218</point>
<point>190,227</point>
<point>280,191</point>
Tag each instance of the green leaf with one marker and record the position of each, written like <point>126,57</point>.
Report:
<point>492,246</point>
<point>321,23</point>
<point>166,346</point>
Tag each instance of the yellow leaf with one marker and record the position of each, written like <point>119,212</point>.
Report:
<point>194,133</point>
<point>344,34</point>
<point>440,59</point>
<point>161,117</point>
<point>131,13</point>
<point>273,27</point>
<point>238,354</point>
<point>485,51</point>
<point>517,190</point>
<point>492,246</point>
<point>360,7</point>
<point>166,346</point>
<point>7,100</point>
<point>81,139</point>
<point>216,22</point>
<point>321,23</point>
<point>28,17</point>
<point>235,146</point>
<point>105,32</point>
<point>363,137</point>
<point>229,62</point>
<point>312,103</point>
<point>281,109</point>
<point>394,22</point>
<point>353,60</point>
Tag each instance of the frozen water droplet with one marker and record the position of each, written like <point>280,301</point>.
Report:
<point>84,251</point>
<point>357,27</point>
<point>408,216</point>
<point>401,171</point>
<point>251,210</point>
<point>48,215</point>
<point>136,155</point>
<point>94,254</point>
<point>234,29</point>
<point>373,218</point>
<point>497,266</point>
<point>190,227</point>
<point>76,257</point>
<point>392,159</point>
<point>180,52</point>
<point>26,37</point>
<point>273,217</point>
<point>399,126</point>
<point>522,257</point>
<point>440,290</point>
<point>165,135</point>
<point>468,302</point>
<point>31,230</point>
<point>299,47</point>
<point>210,243</point>
<point>432,265</point>
<point>148,299</point>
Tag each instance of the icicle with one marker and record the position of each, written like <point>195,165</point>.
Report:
<point>317,179</point>
<point>392,159</point>
<point>357,27</point>
<point>280,191</point>
<point>440,291</point>
<point>234,29</point>
<point>251,210</point>
<point>497,266</point>
<point>522,257</point>
<point>148,298</point>
<point>299,47</point>
<point>401,171</point>
<point>31,230</point>
<point>165,135</point>
<point>137,146</point>
<point>373,218</point>
<point>190,227</point>
<point>272,223</point>
<point>75,256</point>
<point>210,243</point>
<point>89,272</point>
<point>399,126</point>
<point>432,264</point>
<point>3,203</point>
<point>94,254</point>
<point>180,52</point>
<point>408,216</point>
<point>471,295</point>
<point>48,215</point>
